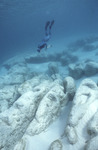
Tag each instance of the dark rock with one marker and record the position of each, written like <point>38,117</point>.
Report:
<point>91,68</point>
<point>76,71</point>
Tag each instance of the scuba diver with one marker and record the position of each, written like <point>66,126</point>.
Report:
<point>43,43</point>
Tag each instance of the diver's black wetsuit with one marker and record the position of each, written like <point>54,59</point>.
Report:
<point>43,43</point>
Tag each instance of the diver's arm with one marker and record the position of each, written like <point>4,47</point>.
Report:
<point>47,46</point>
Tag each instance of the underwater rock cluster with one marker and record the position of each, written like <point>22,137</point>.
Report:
<point>64,58</point>
<point>53,69</point>
<point>30,103</point>
<point>92,129</point>
<point>85,102</point>
<point>87,69</point>
<point>14,61</point>
<point>84,44</point>
<point>28,107</point>
<point>8,95</point>
<point>56,145</point>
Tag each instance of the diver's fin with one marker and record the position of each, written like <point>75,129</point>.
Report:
<point>52,22</point>
<point>47,24</point>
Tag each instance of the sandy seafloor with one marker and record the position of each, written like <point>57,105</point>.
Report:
<point>56,129</point>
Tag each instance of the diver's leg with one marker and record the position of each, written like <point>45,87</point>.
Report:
<point>52,22</point>
<point>46,26</point>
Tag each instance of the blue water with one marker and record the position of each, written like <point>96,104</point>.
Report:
<point>22,23</point>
